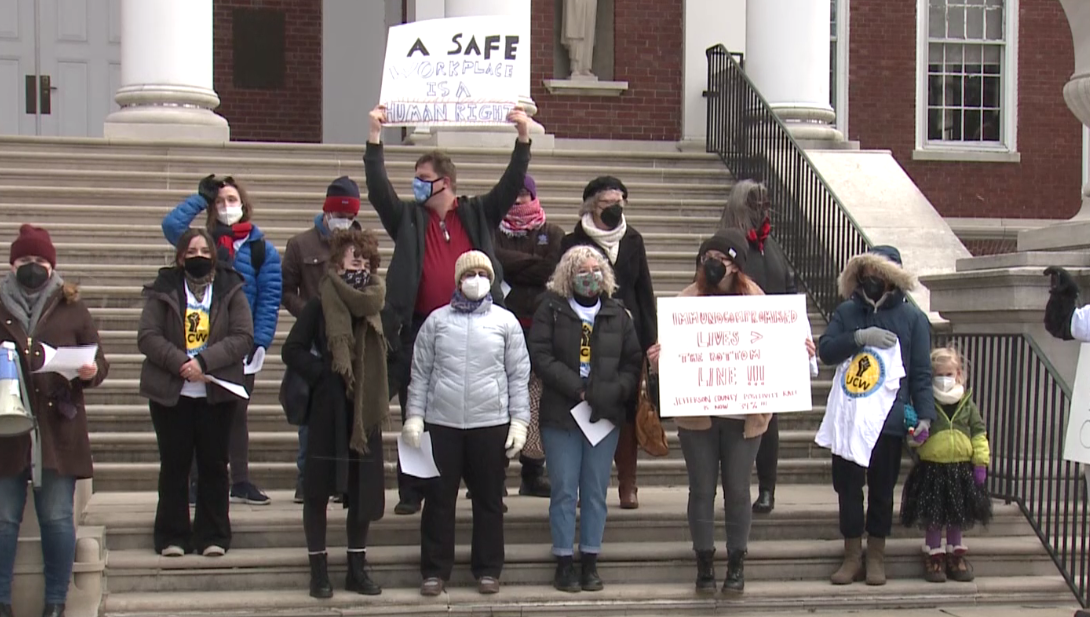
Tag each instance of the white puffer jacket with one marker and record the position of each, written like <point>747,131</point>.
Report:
<point>470,370</point>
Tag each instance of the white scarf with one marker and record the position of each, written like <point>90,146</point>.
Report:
<point>609,240</point>
<point>951,397</point>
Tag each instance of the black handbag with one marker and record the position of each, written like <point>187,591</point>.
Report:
<point>295,395</point>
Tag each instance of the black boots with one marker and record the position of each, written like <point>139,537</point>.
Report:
<point>565,579</point>
<point>736,573</point>
<point>589,579</point>
<point>534,482</point>
<point>766,500</point>
<point>320,587</point>
<point>705,571</point>
<point>357,579</point>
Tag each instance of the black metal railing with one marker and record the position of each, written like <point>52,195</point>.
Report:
<point>816,232</point>
<point>1025,406</point>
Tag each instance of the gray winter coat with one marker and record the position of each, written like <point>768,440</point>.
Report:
<point>470,370</point>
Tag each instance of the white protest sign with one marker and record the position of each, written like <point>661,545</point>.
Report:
<point>730,355</point>
<point>462,71</point>
<point>1077,441</point>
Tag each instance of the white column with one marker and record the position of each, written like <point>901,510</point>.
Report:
<point>787,58</point>
<point>166,73</point>
<point>707,23</point>
<point>1077,90</point>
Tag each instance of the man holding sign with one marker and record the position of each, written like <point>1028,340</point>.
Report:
<point>430,232</point>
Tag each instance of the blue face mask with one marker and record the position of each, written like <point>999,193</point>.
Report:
<point>424,189</point>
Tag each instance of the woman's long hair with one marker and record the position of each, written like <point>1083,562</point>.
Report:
<point>561,280</point>
<point>213,222</point>
<point>746,207</point>
<point>183,246</point>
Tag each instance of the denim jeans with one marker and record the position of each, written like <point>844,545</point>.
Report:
<point>53,504</point>
<point>577,471</point>
<point>722,449</point>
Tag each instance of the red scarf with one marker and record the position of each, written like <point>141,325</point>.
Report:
<point>759,235</point>
<point>238,231</point>
<point>523,218</point>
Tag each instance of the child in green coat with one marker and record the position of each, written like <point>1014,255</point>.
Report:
<point>946,488</point>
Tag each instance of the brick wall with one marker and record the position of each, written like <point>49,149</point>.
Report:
<point>882,91</point>
<point>648,52</point>
<point>290,114</point>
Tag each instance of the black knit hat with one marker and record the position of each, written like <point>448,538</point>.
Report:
<point>343,196</point>
<point>731,242</point>
<point>604,183</point>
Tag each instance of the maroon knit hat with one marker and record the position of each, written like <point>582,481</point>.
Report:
<point>33,242</point>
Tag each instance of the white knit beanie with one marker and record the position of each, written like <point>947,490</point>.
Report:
<point>473,260</point>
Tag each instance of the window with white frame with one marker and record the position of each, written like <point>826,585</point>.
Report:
<point>969,73</point>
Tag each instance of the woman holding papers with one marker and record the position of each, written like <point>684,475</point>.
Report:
<point>727,444</point>
<point>584,347</point>
<point>194,333</point>
<point>38,308</point>
<point>338,348</point>
<point>469,386</point>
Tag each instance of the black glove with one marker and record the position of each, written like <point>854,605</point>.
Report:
<point>1062,301</point>
<point>209,188</point>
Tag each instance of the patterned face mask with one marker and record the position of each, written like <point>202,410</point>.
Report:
<point>356,279</point>
<point>588,284</point>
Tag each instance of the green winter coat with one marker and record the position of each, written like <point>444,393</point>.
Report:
<point>958,435</point>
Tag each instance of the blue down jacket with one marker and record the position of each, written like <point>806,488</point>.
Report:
<point>262,289</point>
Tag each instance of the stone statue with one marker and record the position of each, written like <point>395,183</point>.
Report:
<point>580,19</point>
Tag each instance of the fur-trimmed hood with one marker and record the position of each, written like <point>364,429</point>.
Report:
<point>885,260</point>
<point>71,293</point>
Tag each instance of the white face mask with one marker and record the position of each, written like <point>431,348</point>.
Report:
<point>944,384</point>
<point>476,287</point>
<point>230,215</point>
<point>338,224</point>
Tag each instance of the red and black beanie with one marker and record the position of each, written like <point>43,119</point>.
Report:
<point>342,197</point>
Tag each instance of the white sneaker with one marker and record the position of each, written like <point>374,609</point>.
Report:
<point>172,551</point>
<point>215,551</point>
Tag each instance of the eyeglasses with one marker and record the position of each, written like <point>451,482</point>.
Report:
<point>443,227</point>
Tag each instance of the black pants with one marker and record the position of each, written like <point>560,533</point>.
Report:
<point>239,448</point>
<point>768,456</point>
<point>410,489</point>
<point>880,478</point>
<point>314,525</point>
<point>193,429</point>
<point>476,455</point>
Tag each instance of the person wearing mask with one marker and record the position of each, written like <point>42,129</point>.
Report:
<point>583,346</point>
<point>726,444</point>
<point>749,210</point>
<point>196,324</point>
<point>242,246</point>
<point>337,347</point>
<point>469,389</point>
<point>877,313</point>
<point>38,308</point>
<point>430,232</point>
<point>305,264</point>
<point>603,226</point>
<point>528,248</point>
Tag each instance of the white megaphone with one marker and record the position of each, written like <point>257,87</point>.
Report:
<point>14,418</point>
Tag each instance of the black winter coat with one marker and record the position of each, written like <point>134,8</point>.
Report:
<point>615,359</point>
<point>634,288</point>
<point>332,468</point>
<point>770,270</point>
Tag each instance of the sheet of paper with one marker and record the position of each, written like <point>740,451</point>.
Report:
<point>66,361</point>
<point>233,388</point>
<point>254,365</point>
<point>505,288</point>
<point>417,462</point>
<point>595,431</point>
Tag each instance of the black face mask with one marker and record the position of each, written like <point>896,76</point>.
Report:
<point>31,276</point>
<point>611,216</point>
<point>356,279</point>
<point>714,271</point>
<point>873,287</point>
<point>198,267</point>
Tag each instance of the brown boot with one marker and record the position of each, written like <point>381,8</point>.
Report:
<point>625,457</point>
<point>957,567</point>
<point>876,561</point>
<point>852,568</point>
<point>934,565</point>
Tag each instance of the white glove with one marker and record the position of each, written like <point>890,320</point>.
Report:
<point>516,438</point>
<point>414,427</point>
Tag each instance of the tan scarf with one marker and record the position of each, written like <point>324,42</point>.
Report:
<point>354,334</point>
<point>609,240</point>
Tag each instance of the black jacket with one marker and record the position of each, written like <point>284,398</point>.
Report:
<point>329,421</point>
<point>634,288</point>
<point>615,361</point>
<point>406,222</point>
<point>528,262</point>
<point>770,269</point>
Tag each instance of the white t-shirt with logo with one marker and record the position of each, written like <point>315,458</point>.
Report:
<point>196,326</point>
<point>863,393</point>
<point>586,315</point>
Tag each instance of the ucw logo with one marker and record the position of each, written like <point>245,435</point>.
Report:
<point>196,338</point>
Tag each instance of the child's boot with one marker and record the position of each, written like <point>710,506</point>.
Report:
<point>934,564</point>
<point>958,567</point>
